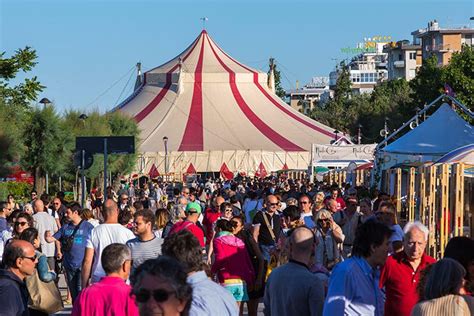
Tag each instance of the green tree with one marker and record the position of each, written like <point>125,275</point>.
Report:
<point>97,124</point>
<point>15,104</point>
<point>459,74</point>
<point>21,94</point>
<point>49,144</point>
<point>339,111</point>
<point>279,91</point>
<point>343,89</point>
<point>428,83</point>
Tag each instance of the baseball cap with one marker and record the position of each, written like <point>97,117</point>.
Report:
<point>196,207</point>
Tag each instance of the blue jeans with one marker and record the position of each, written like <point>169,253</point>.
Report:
<point>73,279</point>
<point>266,251</point>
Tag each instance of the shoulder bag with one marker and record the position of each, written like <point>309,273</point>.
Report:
<point>43,296</point>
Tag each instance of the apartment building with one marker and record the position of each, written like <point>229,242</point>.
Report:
<point>403,59</point>
<point>442,42</point>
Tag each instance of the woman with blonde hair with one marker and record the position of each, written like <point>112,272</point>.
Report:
<point>329,235</point>
<point>318,202</point>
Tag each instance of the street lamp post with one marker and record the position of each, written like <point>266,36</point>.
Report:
<point>359,134</point>
<point>165,141</point>
<point>83,118</point>
<point>335,133</point>
<point>45,102</point>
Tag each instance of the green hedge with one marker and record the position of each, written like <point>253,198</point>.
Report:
<point>20,190</point>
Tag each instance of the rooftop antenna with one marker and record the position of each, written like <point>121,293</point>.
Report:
<point>204,19</point>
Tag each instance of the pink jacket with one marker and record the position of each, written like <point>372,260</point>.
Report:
<point>232,260</point>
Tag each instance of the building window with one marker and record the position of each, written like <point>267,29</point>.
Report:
<point>413,56</point>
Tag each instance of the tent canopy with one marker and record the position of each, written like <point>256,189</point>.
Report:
<point>464,154</point>
<point>205,101</point>
<point>442,132</point>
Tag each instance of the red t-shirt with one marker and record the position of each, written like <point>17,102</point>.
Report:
<point>340,202</point>
<point>400,281</point>
<point>210,218</point>
<point>193,228</point>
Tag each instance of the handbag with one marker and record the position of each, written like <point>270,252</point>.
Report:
<point>67,242</point>
<point>44,296</point>
<point>273,257</point>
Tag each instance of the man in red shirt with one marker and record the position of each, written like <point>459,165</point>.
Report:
<point>211,216</point>
<point>193,210</point>
<point>401,273</point>
<point>341,204</point>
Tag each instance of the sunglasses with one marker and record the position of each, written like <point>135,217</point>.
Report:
<point>160,295</point>
<point>33,259</point>
<point>20,223</point>
<point>304,202</point>
<point>323,220</point>
<point>273,204</point>
<point>55,203</point>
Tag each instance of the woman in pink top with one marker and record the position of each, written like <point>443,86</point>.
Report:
<point>232,263</point>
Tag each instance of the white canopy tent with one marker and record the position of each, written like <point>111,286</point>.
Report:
<point>441,133</point>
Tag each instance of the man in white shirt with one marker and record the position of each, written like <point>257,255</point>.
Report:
<point>101,236</point>
<point>44,222</point>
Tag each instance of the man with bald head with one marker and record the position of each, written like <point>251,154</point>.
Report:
<point>266,226</point>
<point>44,222</point>
<point>19,260</point>
<point>101,236</point>
<point>210,217</point>
<point>291,288</point>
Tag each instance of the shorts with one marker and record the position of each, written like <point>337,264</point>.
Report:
<point>238,289</point>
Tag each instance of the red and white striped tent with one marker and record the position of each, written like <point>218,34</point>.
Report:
<point>215,110</point>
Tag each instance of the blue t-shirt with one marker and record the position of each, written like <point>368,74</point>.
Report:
<point>3,224</point>
<point>309,222</point>
<point>73,258</point>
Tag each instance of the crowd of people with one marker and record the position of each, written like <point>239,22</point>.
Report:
<point>219,247</point>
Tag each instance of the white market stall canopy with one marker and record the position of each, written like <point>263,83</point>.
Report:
<point>340,156</point>
<point>215,110</point>
<point>441,133</point>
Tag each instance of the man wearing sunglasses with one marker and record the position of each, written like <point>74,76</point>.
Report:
<point>266,227</point>
<point>111,295</point>
<point>19,260</point>
<point>306,209</point>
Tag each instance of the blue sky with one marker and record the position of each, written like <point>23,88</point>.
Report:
<point>85,47</point>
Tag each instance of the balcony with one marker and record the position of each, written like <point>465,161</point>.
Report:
<point>442,48</point>
<point>399,64</point>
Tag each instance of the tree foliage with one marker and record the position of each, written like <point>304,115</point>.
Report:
<point>49,143</point>
<point>24,92</point>
<point>459,74</point>
<point>396,100</point>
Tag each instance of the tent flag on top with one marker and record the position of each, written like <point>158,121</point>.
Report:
<point>214,109</point>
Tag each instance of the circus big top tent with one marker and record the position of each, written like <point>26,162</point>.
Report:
<point>215,110</point>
